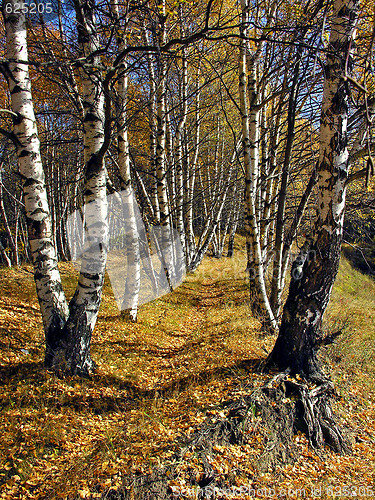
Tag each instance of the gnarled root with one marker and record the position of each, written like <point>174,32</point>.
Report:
<point>313,411</point>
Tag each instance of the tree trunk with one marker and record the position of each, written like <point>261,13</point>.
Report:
<point>166,233</point>
<point>4,256</point>
<point>133,265</point>
<point>210,229</point>
<point>277,275</point>
<point>153,132</point>
<point>8,231</point>
<point>191,175</point>
<point>51,297</point>
<point>251,156</point>
<point>315,270</point>
<point>72,352</point>
<point>179,153</point>
<point>232,234</point>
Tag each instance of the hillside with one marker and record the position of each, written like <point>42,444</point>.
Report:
<point>159,381</point>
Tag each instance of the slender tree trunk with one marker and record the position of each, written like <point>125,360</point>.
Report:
<point>171,170</point>
<point>166,235</point>
<point>73,350</point>
<point>213,218</point>
<point>315,270</point>
<point>8,231</point>
<point>179,153</point>
<point>142,188</point>
<point>191,176</point>
<point>277,275</point>
<point>234,221</point>
<point>202,249</point>
<point>153,132</point>
<point>267,222</point>
<point>133,264</point>
<point>17,216</point>
<point>4,256</point>
<point>51,297</point>
<point>255,263</point>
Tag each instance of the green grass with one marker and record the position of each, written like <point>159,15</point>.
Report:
<point>352,309</point>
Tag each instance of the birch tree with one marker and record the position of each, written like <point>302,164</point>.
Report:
<point>166,235</point>
<point>72,351</point>
<point>250,143</point>
<point>313,278</point>
<point>51,297</point>
<point>68,329</point>
<point>133,265</point>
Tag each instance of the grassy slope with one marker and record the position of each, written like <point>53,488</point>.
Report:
<point>159,379</point>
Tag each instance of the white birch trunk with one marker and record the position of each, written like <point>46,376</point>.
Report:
<point>166,236</point>
<point>133,258</point>
<point>74,355</point>
<point>179,155</point>
<point>51,297</point>
<point>12,240</point>
<point>153,131</point>
<point>191,174</point>
<point>250,163</point>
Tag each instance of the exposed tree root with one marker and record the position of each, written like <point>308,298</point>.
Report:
<point>314,414</point>
<point>275,411</point>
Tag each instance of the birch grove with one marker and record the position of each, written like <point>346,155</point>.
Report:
<point>202,122</point>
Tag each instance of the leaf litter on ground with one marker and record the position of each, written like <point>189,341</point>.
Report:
<point>160,383</point>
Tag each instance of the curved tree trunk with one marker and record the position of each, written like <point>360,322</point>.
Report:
<point>72,353</point>
<point>315,270</point>
<point>53,305</point>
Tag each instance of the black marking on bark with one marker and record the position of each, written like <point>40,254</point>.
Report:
<point>16,90</point>
<point>91,117</point>
<point>24,153</point>
<point>37,229</point>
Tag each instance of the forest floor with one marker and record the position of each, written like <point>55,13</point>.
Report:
<point>159,380</point>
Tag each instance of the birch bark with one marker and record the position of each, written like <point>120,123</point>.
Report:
<point>153,131</point>
<point>251,157</point>
<point>53,305</point>
<point>166,235</point>
<point>191,176</point>
<point>73,352</point>
<point>179,152</point>
<point>12,240</point>
<point>313,278</point>
<point>133,258</point>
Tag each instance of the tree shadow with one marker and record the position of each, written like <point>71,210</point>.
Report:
<point>180,384</point>
<point>34,373</point>
<point>125,347</point>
